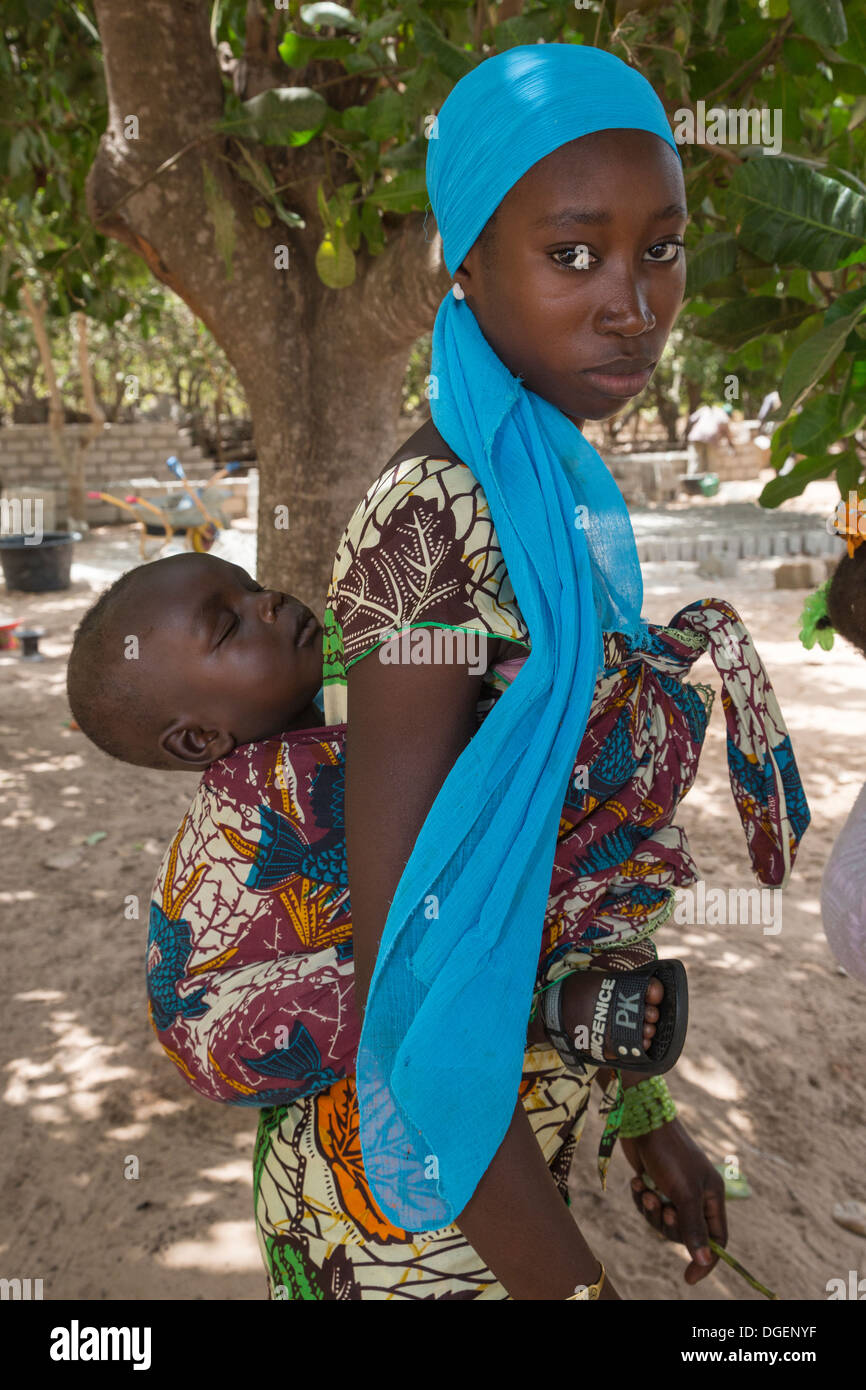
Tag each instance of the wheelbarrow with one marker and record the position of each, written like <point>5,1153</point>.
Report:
<point>196,515</point>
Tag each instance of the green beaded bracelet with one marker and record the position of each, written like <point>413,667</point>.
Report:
<point>646,1107</point>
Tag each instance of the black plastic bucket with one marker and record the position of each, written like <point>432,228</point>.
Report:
<point>38,569</point>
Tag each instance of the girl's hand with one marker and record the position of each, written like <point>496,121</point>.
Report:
<point>682,1171</point>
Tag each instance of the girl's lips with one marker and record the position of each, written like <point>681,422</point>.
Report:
<point>620,384</point>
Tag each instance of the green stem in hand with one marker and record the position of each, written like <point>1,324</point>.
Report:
<point>735,1264</point>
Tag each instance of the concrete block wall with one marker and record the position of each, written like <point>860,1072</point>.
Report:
<point>118,454</point>
<point>745,460</point>
<point>648,477</point>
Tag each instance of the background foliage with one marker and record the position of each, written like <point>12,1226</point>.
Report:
<point>776,246</point>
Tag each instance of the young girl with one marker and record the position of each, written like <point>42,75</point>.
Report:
<point>249,963</point>
<point>558,193</point>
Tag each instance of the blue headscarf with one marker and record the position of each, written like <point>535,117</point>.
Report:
<point>442,1046</point>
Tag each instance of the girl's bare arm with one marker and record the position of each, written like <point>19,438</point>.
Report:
<point>407,726</point>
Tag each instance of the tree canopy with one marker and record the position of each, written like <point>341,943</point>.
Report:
<point>262,131</point>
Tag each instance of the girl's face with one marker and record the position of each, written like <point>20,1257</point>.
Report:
<point>585,275</point>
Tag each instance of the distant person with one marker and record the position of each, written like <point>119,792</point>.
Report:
<point>709,425</point>
<point>771,402</point>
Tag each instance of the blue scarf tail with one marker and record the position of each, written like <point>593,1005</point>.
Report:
<point>442,1046</point>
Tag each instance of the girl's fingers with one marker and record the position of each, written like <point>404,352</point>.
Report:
<point>671,1224</point>
<point>651,1208</point>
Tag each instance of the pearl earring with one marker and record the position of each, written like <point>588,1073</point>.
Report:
<point>457,290</point>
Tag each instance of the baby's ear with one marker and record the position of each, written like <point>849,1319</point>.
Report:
<point>194,746</point>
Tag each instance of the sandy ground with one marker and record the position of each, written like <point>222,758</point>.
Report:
<point>769,1076</point>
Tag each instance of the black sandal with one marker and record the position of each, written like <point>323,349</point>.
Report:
<point>622,999</point>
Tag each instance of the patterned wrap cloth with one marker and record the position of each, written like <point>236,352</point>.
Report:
<point>249,964</point>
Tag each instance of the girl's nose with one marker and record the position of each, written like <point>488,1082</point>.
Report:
<point>625,310</point>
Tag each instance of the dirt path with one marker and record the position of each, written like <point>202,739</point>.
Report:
<point>768,1075</point>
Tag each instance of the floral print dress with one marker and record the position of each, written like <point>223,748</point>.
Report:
<point>250,954</point>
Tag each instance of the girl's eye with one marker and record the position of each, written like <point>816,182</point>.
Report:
<point>671,246</point>
<point>581,253</point>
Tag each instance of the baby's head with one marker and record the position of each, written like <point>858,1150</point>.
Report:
<point>185,658</point>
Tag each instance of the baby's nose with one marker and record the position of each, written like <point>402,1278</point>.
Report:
<point>271,602</point>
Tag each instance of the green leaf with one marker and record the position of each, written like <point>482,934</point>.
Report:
<point>792,215</point>
<point>715,14</point>
<point>223,219</point>
<point>817,425</point>
<point>382,117</point>
<point>262,216</point>
<point>822,20</point>
<point>381,28</point>
<point>339,207</point>
<point>291,219</point>
<point>845,303</point>
<point>738,322</point>
<point>407,190</point>
<point>785,94</point>
<point>712,259</point>
<point>854,49</point>
<point>86,24</point>
<point>281,116</point>
<point>805,471</point>
<point>780,444</point>
<point>324,12</point>
<point>854,259</point>
<point>335,261</point>
<point>353,229</point>
<point>853,408</point>
<point>526,28</point>
<point>256,172</point>
<point>453,61</point>
<point>411,155</point>
<point>850,78</point>
<point>297,50</point>
<point>324,209</point>
<point>848,470</point>
<point>371,226</point>
<point>813,358</point>
<point>799,57</point>
<point>857,381</point>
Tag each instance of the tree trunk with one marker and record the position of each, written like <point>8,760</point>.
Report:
<point>322,369</point>
<point>69,456</point>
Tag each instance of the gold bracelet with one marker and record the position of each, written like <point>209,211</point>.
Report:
<point>587,1292</point>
